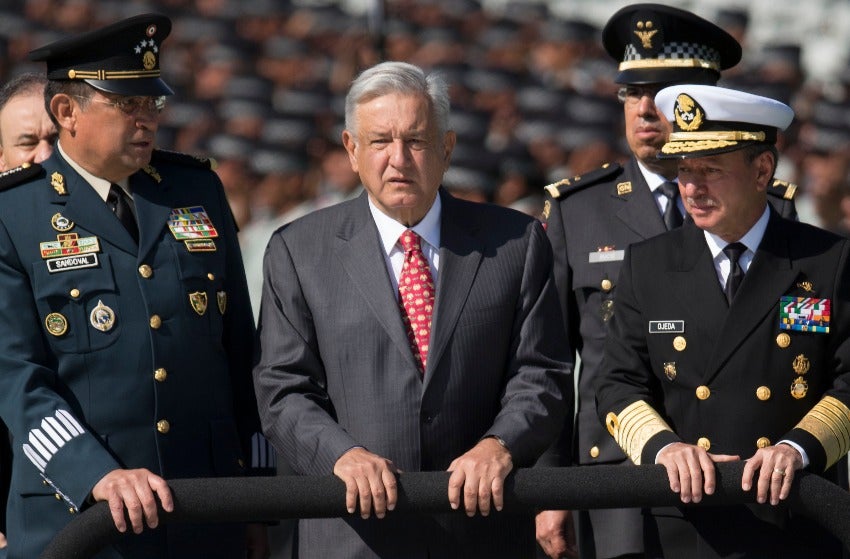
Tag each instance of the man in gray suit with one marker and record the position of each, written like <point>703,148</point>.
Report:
<point>356,378</point>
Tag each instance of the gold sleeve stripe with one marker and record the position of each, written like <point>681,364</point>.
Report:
<point>829,423</point>
<point>633,428</point>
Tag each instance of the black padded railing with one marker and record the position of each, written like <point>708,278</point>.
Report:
<point>272,498</point>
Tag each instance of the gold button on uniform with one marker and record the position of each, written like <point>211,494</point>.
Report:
<point>145,271</point>
<point>163,426</point>
<point>160,374</point>
<point>58,496</point>
<point>241,463</point>
<point>211,276</point>
<point>704,443</point>
<point>607,284</point>
<point>680,343</point>
<point>783,340</point>
<point>156,321</point>
<point>763,393</point>
<point>594,452</point>
<point>75,293</point>
<point>703,392</point>
<point>763,442</point>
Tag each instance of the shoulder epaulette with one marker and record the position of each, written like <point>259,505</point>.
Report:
<point>18,175</point>
<point>568,186</point>
<point>783,189</point>
<point>160,155</point>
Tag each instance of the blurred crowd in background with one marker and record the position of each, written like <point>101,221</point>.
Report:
<point>260,87</point>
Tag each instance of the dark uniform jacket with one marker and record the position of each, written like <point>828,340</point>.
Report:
<point>680,365</point>
<point>337,371</point>
<point>590,222</point>
<point>121,356</point>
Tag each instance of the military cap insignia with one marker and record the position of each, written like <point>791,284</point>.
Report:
<point>649,34</point>
<point>689,115</point>
<point>57,181</point>
<point>102,317</point>
<point>198,300</point>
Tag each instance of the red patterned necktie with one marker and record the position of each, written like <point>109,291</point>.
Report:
<point>416,295</point>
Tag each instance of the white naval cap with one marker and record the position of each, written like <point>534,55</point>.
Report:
<point>708,120</point>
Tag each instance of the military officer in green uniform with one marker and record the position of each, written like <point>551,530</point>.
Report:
<point>126,335</point>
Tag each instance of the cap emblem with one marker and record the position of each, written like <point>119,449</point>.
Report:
<point>645,33</point>
<point>151,30</point>
<point>689,115</point>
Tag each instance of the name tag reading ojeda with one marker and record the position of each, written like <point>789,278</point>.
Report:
<point>666,326</point>
<point>606,256</point>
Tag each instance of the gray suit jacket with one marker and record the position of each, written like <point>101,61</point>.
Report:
<point>336,369</point>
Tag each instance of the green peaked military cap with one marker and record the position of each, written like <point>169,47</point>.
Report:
<point>121,58</point>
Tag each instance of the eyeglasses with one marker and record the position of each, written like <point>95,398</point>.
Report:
<point>131,106</point>
<point>632,94</point>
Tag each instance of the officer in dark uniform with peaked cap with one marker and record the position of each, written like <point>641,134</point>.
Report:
<point>591,220</point>
<point>126,335</point>
<point>731,341</point>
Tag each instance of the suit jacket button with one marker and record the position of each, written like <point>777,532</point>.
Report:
<point>145,271</point>
<point>704,443</point>
<point>763,393</point>
<point>163,426</point>
<point>156,321</point>
<point>211,276</point>
<point>607,285</point>
<point>594,452</point>
<point>703,392</point>
<point>763,442</point>
<point>75,293</point>
<point>160,374</point>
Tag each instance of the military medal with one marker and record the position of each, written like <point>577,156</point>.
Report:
<point>221,299</point>
<point>198,300</point>
<point>670,370</point>
<point>56,324</point>
<point>799,388</point>
<point>102,317</point>
<point>194,227</point>
<point>61,223</point>
<point>801,364</point>
<point>69,244</point>
<point>804,314</point>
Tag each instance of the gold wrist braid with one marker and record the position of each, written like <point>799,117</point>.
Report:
<point>829,423</point>
<point>634,427</point>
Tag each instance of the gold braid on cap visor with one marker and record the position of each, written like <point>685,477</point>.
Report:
<point>686,142</point>
<point>669,63</point>
<point>634,426</point>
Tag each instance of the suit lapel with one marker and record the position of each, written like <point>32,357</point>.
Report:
<point>640,212</point>
<point>358,249</point>
<point>694,273</point>
<point>153,206</point>
<point>84,207</point>
<point>460,255</point>
<point>769,277</point>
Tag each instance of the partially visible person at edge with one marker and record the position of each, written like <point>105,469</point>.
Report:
<point>356,379</point>
<point>731,341</point>
<point>27,135</point>
<point>127,340</point>
<point>591,220</point>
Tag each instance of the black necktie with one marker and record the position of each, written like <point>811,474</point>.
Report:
<point>733,252</point>
<point>672,217</point>
<point>119,203</point>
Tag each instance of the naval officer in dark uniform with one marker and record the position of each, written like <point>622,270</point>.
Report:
<point>731,340</point>
<point>126,335</point>
<point>591,220</point>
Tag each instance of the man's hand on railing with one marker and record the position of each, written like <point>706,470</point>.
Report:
<point>134,491</point>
